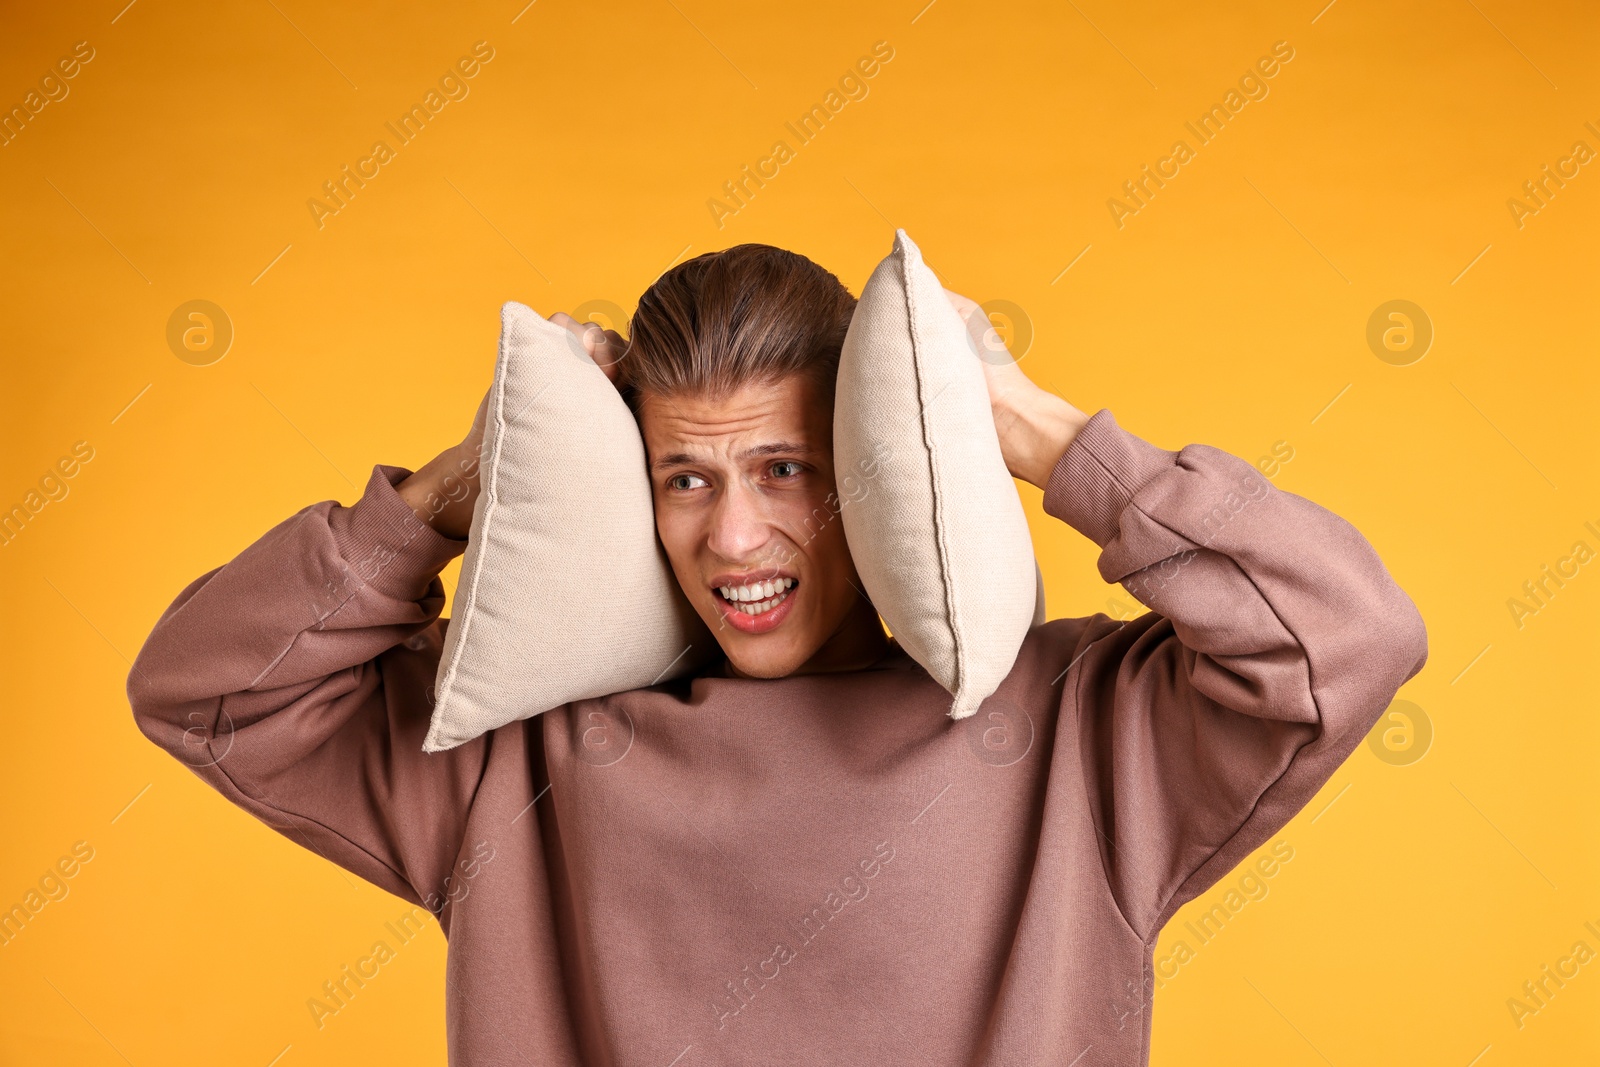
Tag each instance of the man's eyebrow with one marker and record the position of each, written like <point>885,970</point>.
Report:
<point>780,448</point>
<point>776,448</point>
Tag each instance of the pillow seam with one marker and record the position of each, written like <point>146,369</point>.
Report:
<point>930,449</point>
<point>447,686</point>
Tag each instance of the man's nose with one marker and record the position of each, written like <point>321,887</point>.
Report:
<point>740,525</point>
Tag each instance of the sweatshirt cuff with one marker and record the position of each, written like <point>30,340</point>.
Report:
<point>386,544</point>
<point>1098,475</point>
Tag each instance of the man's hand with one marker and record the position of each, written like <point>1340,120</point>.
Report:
<point>1034,425</point>
<point>605,347</point>
<point>444,490</point>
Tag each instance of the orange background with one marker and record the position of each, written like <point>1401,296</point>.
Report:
<point>1231,309</point>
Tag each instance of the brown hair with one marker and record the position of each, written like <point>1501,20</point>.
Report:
<point>750,313</point>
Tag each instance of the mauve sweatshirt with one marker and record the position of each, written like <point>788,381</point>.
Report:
<point>819,869</point>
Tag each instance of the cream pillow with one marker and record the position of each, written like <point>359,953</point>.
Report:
<point>564,512</point>
<point>940,538</point>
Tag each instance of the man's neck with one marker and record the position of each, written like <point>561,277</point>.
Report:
<point>857,644</point>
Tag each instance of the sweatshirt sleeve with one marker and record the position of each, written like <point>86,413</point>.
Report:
<point>296,680</point>
<point>1275,640</point>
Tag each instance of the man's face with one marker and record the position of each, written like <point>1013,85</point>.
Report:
<point>746,508</point>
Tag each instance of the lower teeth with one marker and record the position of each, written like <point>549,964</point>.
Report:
<point>761,607</point>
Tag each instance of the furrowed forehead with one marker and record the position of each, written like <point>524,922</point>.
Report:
<point>758,421</point>
<point>773,449</point>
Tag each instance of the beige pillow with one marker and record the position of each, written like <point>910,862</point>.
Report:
<point>564,510</point>
<point>940,539</point>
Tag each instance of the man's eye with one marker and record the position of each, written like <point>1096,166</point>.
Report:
<point>785,468</point>
<point>685,481</point>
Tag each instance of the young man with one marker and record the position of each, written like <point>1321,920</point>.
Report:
<point>797,855</point>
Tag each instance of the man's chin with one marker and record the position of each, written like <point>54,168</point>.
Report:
<point>765,663</point>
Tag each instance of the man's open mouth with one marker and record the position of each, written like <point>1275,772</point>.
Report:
<point>757,598</point>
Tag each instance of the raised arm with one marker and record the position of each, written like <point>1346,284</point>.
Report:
<point>297,679</point>
<point>1275,641</point>
<point>294,680</point>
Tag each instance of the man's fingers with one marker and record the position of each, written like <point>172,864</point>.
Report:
<point>589,334</point>
<point>604,347</point>
<point>609,358</point>
<point>612,348</point>
<point>964,306</point>
<point>988,343</point>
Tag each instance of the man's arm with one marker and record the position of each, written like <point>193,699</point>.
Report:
<point>295,680</point>
<point>1275,641</point>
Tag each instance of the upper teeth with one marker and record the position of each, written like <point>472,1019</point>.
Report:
<point>757,591</point>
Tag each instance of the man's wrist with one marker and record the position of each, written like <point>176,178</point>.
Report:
<point>442,492</point>
<point>1034,433</point>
